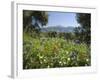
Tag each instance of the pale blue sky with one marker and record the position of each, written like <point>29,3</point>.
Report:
<point>62,18</point>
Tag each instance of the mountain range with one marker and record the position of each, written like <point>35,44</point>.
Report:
<point>58,29</point>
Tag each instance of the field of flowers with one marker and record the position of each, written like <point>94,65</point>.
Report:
<point>54,52</point>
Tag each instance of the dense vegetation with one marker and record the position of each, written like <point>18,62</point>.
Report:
<point>83,32</point>
<point>52,49</point>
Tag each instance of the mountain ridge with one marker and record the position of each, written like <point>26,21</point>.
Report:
<point>58,29</point>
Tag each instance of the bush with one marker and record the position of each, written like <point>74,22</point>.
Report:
<point>53,52</point>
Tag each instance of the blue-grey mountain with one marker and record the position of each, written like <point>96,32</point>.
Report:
<point>58,29</point>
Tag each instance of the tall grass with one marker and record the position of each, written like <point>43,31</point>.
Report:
<point>53,52</point>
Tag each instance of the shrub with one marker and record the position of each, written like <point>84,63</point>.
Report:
<point>54,52</point>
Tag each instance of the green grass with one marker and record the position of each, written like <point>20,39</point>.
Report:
<point>53,52</point>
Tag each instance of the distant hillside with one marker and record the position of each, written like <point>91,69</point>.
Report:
<point>58,29</point>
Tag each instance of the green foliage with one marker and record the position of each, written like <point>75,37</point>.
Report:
<point>40,19</point>
<point>83,32</point>
<point>53,52</point>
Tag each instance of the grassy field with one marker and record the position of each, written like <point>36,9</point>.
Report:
<point>53,52</point>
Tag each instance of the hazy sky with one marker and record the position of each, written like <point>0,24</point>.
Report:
<point>62,18</point>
